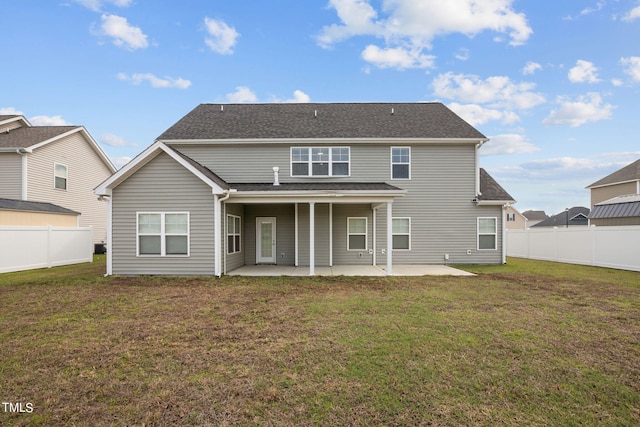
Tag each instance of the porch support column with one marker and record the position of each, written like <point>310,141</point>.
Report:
<point>312,238</point>
<point>389,239</point>
<point>330,234</point>
<point>217,234</point>
<point>295,232</point>
<point>375,232</point>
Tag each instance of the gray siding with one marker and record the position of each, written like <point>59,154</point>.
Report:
<point>601,194</point>
<point>163,186</point>
<point>341,254</point>
<point>85,171</point>
<point>10,176</point>
<point>438,199</point>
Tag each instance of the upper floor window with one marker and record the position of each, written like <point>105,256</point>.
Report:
<point>400,163</point>
<point>320,161</point>
<point>511,217</point>
<point>60,176</point>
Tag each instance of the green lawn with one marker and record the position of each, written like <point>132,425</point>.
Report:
<point>527,343</point>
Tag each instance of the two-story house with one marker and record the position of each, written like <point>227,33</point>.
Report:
<point>306,185</point>
<point>55,169</point>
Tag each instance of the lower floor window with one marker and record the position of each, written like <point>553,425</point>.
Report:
<point>401,229</point>
<point>163,233</point>
<point>233,234</point>
<point>356,234</point>
<point>487,233</point>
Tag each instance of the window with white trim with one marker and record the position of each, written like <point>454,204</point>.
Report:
<point>487,233</point>
<point>320,161</point>
<point>357,234</point>
<point>60,173</point>
<point>163,233</point>
<point>511,217</point>
<point>234,236</point>
<point>401,233</point>
<point>400,163</point>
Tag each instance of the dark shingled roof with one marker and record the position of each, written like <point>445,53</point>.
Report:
<point>574,216</point>
<point>491,190</point>
<point>22,205</point>
<point>317,186</point>
<point>25,137</point>
<point>204,170</point>
<point>628,173</point>
<point>335,120</point>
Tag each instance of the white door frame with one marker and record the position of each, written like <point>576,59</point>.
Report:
<point>259,258</point>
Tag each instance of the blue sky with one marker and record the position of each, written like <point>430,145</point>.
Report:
<point>555,85</point>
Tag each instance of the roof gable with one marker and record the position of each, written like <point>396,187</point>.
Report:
<point>628,173</point>
<point>321,121</point>
<point>217,184</point>
<point>576,215</point>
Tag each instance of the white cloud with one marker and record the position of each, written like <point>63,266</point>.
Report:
<point>632,15</point>
<point>155,82</point>
<point>508,144</point>
<point>115,141</point>
<point>419,21</point>
<point>222,37</point>
<point>477,115</point>
<point>10,111</point>
<point>48,121</point>
<point>462,54</point>
<point>496,91</point>
<point>123,34</point>
<point>531,68</point>
<point>587,108</point>
<point>397,57</point>
<point>242,95</point>
<point>96,5</point>
<point>583,72</point>
<point>632,65</point>
<point>299,97</point>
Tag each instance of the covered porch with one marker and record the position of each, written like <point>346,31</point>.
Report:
<point>302,229</point>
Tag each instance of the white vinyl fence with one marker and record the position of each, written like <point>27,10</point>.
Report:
<point>614,247</point>
<point>25,248</point>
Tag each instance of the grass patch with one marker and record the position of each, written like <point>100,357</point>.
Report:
<point>528,343</point>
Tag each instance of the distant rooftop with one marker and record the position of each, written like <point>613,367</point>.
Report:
<point>628,173</point>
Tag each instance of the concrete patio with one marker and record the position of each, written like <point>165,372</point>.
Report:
<point>348,270</point>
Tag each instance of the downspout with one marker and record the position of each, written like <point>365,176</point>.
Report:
<point>218,253</point>
<point>109,199</point>
<point>24,194</point>
<point>504,232</point>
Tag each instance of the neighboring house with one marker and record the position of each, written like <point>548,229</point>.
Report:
<point>534,217</point>
<point>60,165</point>
<point>575,216</point>
<point>621,210</point>
<point>21,213</point>
<point>306,185</point>
<point>620,183</point>
<point>515,220</point>
<point>615,199</point>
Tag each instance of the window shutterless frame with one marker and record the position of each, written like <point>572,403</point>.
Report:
<point>401,233</point>
<point>357,236</point>
<point>234,234</point>
<point>320,162</point>
<point>487,233</point>
<point>163,234</point>
<point>400,163</point>
<point>60,176</point>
